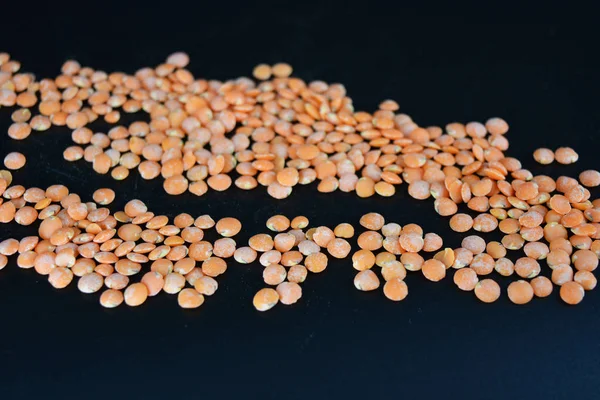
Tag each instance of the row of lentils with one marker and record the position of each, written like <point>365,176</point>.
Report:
<point>85,240</point>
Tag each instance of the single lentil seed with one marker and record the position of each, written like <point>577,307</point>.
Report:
<point>395,289</point>
<point>466,279</point>
<point>136,294</point>
<point>14,161</point>
<point>487,290</point>
<point>111,298</point>
<point>520,292</point>
<point>366,280</point>
<point>189,299</point>
<point>572,293</point>
<point>265,299</point>
<point>542,286</point>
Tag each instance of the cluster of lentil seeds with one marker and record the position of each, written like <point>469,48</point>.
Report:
<point>84,240</point>
<point>472,261</point>
<point>278,253</point>
<point>279,132</point>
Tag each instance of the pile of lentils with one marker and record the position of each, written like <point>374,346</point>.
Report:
<point>278,131</point>
<point>104,249</point>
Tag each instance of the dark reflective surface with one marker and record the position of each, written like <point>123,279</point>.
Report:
<point>531,68</point>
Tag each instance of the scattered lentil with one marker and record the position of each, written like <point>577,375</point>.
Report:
<point>466,279</point>
<point>136,294</point>
<point>14,161</point>
<point>395,289</point>
<point>566,155</point>
<point>265,299</point>
<point>366,281</point>
<point>542,286</point>
<point>487,291</point>
<point>572,293</point>
<point>543,156</point>
<point>520,292</point>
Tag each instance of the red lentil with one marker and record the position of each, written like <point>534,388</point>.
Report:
<point>586,279</point>
<point>289,292</point>
<point>542,286</point>
<point>572,293</point>
<point>189,298</point>
<point>520,292</point>
<point>434,270</point>
<point>466,279</point>
<point>487,291</point>
<point>136,294</point>
<point>14,161</point>
<point>543,156</point>
<point>111,298</point>
<point>265,299</point>
<point>395,289</point>
<point>366,280</point>
<point>566,155</point>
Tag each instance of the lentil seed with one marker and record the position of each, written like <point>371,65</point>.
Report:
<point>265,299</point>
<point>520,292</point>
<point>542,286</point>
<point>366,280</point>
<point>395,289</point>
<point>487,290</point>
<point>572,293</point>
<point>14,161</point>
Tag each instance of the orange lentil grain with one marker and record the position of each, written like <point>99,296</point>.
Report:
<point>590,178</point>
<point>566,155</point>
<point>316,262</point>
<point>520,292</point>
<point>466,279</point>
<point>487,290</point>
<point>289,292</point>
<point>586,279</point>
<point>173,284</point>
<point>461,222</point>
<point>299,222</point>
<point>338,248</point>
<point>395,289</point>
<point>14,161</point>
<point>189,298</point>
<point>278,223</point>
<point>206,285</point>
<point>262,72</point>
<point>542,286</point>
<point>562,274</point>
<point>572,293</point>
<point>297,273</point>
<point>111,298</point>
<point>366,280</point>
<point>372,221</point>
<point>527,267</point>
<point>434,270</point>
<point>265,299</point>
<point>104,196</point>
<point>154,282</point>
<point>228,227</point>
<point>543,156</point>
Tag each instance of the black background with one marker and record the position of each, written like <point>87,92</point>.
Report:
<point>534,66</point>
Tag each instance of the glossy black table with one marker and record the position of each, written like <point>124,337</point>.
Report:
<point>442,65</point>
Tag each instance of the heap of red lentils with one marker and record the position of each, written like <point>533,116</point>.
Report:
<point>278,131</point>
